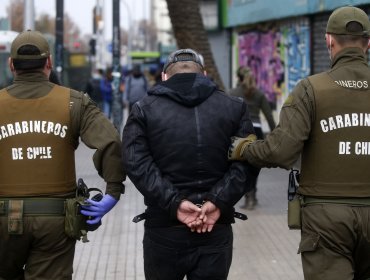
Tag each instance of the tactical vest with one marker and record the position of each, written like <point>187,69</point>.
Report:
<point>336,157</point>
<point>36,154</point>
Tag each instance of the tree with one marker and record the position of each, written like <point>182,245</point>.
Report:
<point>15,12</point>
<point>46,24</point>
<point>189,32</point>
<point>71,35</point>
<point>149,33</point>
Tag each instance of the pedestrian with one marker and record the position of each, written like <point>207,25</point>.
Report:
<point>136,86</point>
<point>93,87</point>
<point>53,77</point>
<point>41,124</point>
<point>106,92</point>
<point>257,103</point>
<point>327,119</point>
<point>175,148</point>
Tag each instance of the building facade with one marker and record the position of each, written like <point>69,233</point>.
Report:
<point>280,43</point>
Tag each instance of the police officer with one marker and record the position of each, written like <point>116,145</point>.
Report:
<point>327,119</point>
<point>40,127</point>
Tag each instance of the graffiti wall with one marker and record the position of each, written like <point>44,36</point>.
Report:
<point>279,57</point>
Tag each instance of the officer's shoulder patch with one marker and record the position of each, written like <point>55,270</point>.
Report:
<point>289,100</point>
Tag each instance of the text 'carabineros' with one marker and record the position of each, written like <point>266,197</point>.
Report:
<point>45,127</point>
<point>346,120</point>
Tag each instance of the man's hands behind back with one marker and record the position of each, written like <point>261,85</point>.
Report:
<point>200,219</point>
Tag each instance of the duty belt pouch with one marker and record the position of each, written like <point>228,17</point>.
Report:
<point>75,222</point>
<point>75,225</point>
<point>294,213</point>
<point>294,201</point>
<point>15,217</point>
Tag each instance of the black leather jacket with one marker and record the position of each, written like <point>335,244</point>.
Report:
<point>175,146</point>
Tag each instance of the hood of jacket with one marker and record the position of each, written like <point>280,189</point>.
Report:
<point>188,89</point>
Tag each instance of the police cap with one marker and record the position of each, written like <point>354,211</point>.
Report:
<point>33,38</point>
<point>341,17</point>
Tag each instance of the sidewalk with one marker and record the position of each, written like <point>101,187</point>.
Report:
<point>264,247</point>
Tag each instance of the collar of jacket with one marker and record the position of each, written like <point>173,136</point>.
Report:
<point>188,89</point>
<point>349,55</point>
<point>30,85</point>
<point>38,76</point>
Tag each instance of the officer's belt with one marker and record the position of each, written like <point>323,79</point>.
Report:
<point>360,201</point>
<point>36,206</point>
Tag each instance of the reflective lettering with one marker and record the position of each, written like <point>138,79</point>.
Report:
<point>344,148</point>
<point>17,153</point>
<point>324,126</point>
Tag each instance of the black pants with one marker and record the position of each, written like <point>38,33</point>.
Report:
<point>175,252</point>
<point>252,182</point>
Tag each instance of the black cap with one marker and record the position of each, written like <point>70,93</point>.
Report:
<point>184,55</point>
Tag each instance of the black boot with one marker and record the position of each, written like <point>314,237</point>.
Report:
<point>246,202</point>
<point>250,200</point>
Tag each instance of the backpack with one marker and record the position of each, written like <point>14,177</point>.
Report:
<point>136,88</point>
<point>93,90</point>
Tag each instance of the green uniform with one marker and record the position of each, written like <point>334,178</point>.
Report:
<point>40,128</point>
<point>327,119</point>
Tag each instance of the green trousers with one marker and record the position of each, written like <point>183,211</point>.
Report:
<point>43,251</point>
<point>335,242</point>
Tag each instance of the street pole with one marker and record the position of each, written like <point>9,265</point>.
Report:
<point>117,109</point>
<point>59,31</point>
<point>129,39</point>
<point>29,15</point>
<point>100,38</point>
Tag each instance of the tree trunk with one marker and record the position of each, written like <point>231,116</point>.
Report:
<point>190,33</point>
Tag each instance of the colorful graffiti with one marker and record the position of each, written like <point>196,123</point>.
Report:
<point>278,58</point>
<point>296,44</point>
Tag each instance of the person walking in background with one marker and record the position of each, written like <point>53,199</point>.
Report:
<point>106,92</point>
<point>257,103</point>
<point>156,74</point>
<point>175,145</point>
<point>136,86</point>
<point>327,119</point>
<point>93,88</point>
<point>41,124</point>
<point>53,78</point>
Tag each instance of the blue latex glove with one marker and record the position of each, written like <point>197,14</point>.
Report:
<point>97,209</point>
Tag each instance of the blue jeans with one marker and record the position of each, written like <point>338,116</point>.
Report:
<point>107,105</point>
<point>175,252</point>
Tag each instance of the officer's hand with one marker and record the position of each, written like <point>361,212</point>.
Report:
<point>97,209</point>
<point>209,216</point>
<point>239,145</point>
<point>188,213</point>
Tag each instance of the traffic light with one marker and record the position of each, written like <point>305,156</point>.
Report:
<point>92,44</point>
<point>76,45</point>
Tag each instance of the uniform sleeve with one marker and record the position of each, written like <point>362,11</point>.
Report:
<point>282,147</point>
<point>140,165</point>
<point>98,133</point>
<point>236,181</point>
